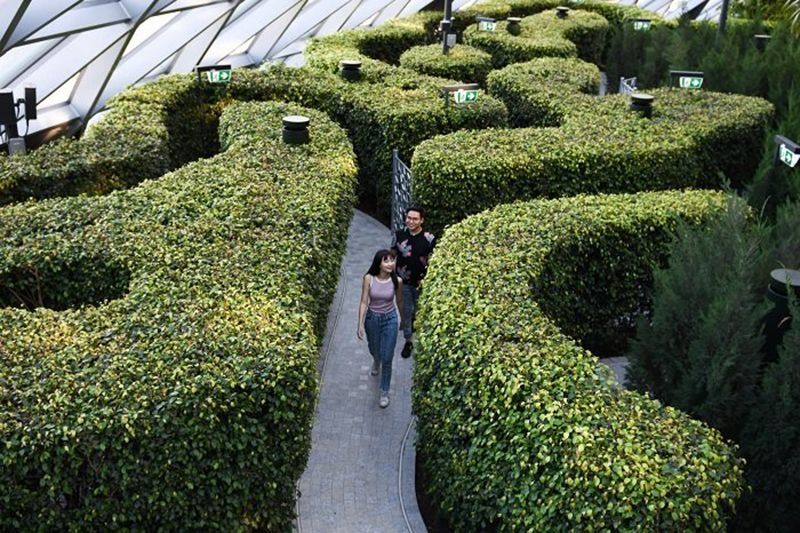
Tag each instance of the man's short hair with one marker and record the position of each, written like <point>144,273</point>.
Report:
<point>417,209</point>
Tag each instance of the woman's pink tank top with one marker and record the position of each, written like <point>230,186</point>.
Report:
<point>381,295</point>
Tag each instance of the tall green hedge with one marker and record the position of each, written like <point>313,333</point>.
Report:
<point>462,62</point>
<point>518,427</point>
<point>600,146</point>
<point>182,397</point>
<point>168,129</point>
<point>393,108</point>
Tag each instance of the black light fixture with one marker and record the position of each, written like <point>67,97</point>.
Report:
<point>8,113</point>
<point>642,103</point>
<point>295,129</point>
<point>350,69</point>
<point>448,39</point>
<point>513,26</point>
<point>562,12</point>
<point>761,40</point>
<point>12,111</point>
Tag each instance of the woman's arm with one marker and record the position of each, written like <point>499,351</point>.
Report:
<point>362,306</point>
<point>398,296</point>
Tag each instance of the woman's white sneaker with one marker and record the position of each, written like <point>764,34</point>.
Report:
<point>384,402</point>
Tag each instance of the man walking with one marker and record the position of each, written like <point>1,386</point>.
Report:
<point>414,247</point>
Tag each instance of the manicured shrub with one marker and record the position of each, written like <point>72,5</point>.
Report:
<point>506,49</point>
<point>601,146</point>
<point>395,108</point>
<point>541,92</point>
<point>462,62</point>
<point>544,35</point>
<point>518,428</point>
<point>185,397</point>
<point>384,43</point>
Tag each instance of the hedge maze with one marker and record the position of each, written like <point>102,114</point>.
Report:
<point>159,340</point>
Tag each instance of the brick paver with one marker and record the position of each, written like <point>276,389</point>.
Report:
<point>351,483</point>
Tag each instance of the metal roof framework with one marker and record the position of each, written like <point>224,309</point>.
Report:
<point>79,53</point>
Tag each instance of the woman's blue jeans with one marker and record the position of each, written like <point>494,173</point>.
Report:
<point>381,338</point>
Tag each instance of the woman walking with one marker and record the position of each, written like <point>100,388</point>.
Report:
<point>381,296</point>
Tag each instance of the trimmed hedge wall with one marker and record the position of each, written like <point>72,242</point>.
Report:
<point>544,35</point>
<point>541,92</point>
<point>187,397</point>
<point>518,428</point>
<point>462,62</point>
<point>169,129</point>
<point>600,146</point>
<point>393,108</point>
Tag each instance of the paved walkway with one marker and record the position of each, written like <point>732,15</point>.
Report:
<point>360,475</point>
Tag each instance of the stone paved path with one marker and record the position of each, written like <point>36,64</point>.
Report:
<point>360,475</point>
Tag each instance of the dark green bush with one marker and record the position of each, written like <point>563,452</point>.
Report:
<point>462,62</point>
<point>702,350</point>
<point>394,108</point>
<point>771,443</point>
<point>601,146</point>
<point>699,350</point>
<point>541,92</point>
<point>187,401</point>
<point>518,427</point>
<point>506,49</point>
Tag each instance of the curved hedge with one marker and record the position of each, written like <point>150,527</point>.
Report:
<point>186,397</point>
<point>393,108</point>
<point>168,131</point>
<point>462,62</point>
<point>541,92</point>
<point>518,428</point>
<point>600,146</point>
<point>544,35</point>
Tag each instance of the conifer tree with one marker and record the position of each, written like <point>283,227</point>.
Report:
<point>699,350</point>
<point>771,443</point>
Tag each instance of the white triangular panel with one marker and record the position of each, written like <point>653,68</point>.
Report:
<point>80,53</point>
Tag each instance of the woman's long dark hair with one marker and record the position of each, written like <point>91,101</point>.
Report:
<point>375,267</point>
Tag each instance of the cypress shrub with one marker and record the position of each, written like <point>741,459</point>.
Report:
<point>699,350</point>
<point>771,443</point>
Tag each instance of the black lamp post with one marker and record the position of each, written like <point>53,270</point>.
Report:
<point>11,112</point>
<point>446,24</point>
<point>778,321</point>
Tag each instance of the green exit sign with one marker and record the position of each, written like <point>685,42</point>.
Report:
<point>641,25</point>
<point>219,76</point>
<point>788,157</point>
<point>690,82</point>
<point>462,96</point>
<point>487,25</point>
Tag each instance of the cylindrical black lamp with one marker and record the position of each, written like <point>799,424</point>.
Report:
<point>778,321</point>
<point>761,40</point>
<point>642,103</point>
<point>350,69</point>
<point>513,26</point>
<point>295,129</point>
<point>562,12</point>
